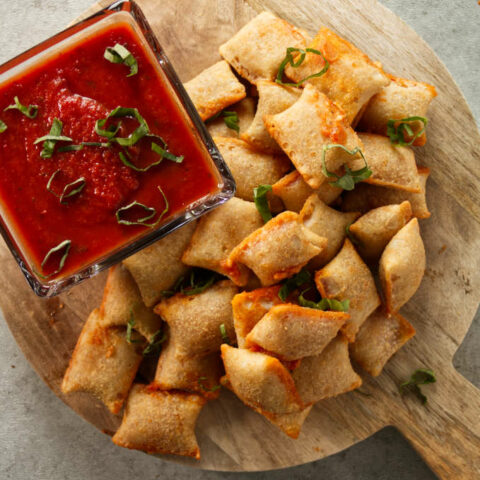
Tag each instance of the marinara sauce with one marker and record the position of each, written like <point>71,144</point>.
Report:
<point>79,87</point>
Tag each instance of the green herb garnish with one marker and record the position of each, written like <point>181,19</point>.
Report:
<point>196,285</point>
<point>119,54</point>
<point>50,140</point>
<point>422,376</point>
<point>224,334</point>
<point>291,284</point>
<point>295,64</point>
<point>350,177</point>
<point>130,325</point>
<point>164,153</point>
<point>155,346</point>
<point>324,303</point>
<point>66,244</point>
<point>30,112</point>
<point>70,189</point>
<point>111,131</point>
<point>396,130</point>
<point>3,126</point>
<point>231,120</point>
<point>204,388</point>
<point>261,202</point>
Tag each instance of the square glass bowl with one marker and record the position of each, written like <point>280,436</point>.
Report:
<point>119,12</point>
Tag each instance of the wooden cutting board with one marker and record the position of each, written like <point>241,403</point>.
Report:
<point>446,432</point>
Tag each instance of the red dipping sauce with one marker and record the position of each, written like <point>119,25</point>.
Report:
<point>80,87</point>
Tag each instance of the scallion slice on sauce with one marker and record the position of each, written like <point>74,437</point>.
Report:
<point>348,180</point>
<point>69,190</point>
<point>65,245</point>
<point>261,202</point>
<point>120,54</point>
<point>396,130</point>
<point>31,111</point>
<point>3,126</point>
<point>324,303</point>
<point>50,140</point>
<point>289,60</point>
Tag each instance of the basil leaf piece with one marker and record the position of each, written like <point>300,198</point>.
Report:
<point>324,303</point>
<point>70,148</point>
<point>3,126</point>
<point>120,54</point>
<point>261,202</point>
<point>155,346</point>
<point>66,244</point>
<point>196,286</point>
<point>291,284</point>
<point>396,130</point>
<point>130,325</point>
<point>50,140</point>
<point>289,60</point>
<point>166,154</point>
<point>421,376</point>
<point>224,334</point>
<point>231,120</point>
<point>350,177</point>
<point>75,187</point>
<point>30,112</point>
<point>204,388</point>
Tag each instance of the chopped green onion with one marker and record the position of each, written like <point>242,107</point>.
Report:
<point>295,64</point>
<point>75,187</point>
<point>422,376</point>
<point>66,244</point>
<point>261,202</point>
<point>351,177</point>
<point>224,334</point>
<point>291,284</point>
<point>324,303</point>
<point>396,130</point>
<point>3,126</point>
<point>119,54</point>
<point>50,140</point>
<point>204,388</point>
<point>31,111</point>
<point>155,346</point>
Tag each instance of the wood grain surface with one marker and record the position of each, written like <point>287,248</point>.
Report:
<point>446,431</point>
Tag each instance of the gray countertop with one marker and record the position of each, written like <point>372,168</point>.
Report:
<point>42,439</point>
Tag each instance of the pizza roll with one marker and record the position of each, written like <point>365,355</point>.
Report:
<point>378,339</point>
<point>214,89</point>
<point>194,373</point>
<point>245,111</point>
<point>156,268</point>
<point>272,98</point>
<point>402,266</point>
<point>104,363</point>
<point>401,98</point>
<point>249,307</point>
<point>294,191</point>
<point>260,381</point>
<point>347,277</point>
<point>257,50</point>
<point>291,332</point>
<point>194,320</point>
<point>365,197</point>
<point>303,129</point>
<point>122,304</point>
<point>391,165</point>
<point>351,79</point>
<point>251,168</point>
<point>326,375</point>
<point>160,422</point>
<point>375,229</point>
<point>276,251</point>
<point>328,223</point>
<point>289,423</point>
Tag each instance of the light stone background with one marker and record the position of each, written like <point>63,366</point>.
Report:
<point>42,439</point>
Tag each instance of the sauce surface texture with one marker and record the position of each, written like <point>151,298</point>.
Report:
<point>80,87</point>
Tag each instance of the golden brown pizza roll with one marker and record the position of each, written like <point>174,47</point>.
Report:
<point>194,320</point>
<point>291,332</point>
<point>378,339</point>
<point>260,381</point>
<point>257,50</point>
<point>328,223</point>
<point>391,165</point>
<point>401,98</point>
<point>276,251</point>
<point>294,191</point>
<point>374,230</point>
<point>249,307</point>
<point>251,168</point>
<point>214,89</point>
<point>347,277</point>
<point>351,79</point>
<point>122,304</point>
<point>306,127</point>
<point>160,422</point>
<point>289,423</point>
<point>156,268</point>
<point>245,111</point>
<point>194,373</point>
<point>365,197</point>
<point>104,363</point>
<point>272,98</point>
<point>326,375</point>
<point>402,266</point>
<point>218,232</point>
